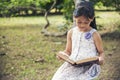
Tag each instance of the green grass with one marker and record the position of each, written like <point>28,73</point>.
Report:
<point>23,44</point>
<point>107,20</point>
<point>29,54</point>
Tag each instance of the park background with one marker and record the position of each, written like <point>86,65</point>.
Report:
<point>33,31</point>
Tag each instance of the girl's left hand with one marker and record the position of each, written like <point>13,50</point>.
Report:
<point>101,60</point>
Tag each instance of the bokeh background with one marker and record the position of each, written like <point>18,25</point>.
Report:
<point>33,31</point>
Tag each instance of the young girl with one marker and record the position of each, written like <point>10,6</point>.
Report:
<point>82,42</point>
<point>88,4</point>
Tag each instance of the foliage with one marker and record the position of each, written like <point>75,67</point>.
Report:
<point>17,7</point>
<point>34,7</point>
<point>99,4</point>
<point>68,9</point>
<point>109,3</point>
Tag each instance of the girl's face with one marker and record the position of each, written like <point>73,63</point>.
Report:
<point>83,23</point>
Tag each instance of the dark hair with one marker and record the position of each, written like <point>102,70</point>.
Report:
<point>85,9</point>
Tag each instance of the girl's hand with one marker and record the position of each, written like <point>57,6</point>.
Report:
<point>58,56</point>
<point>101,60</point>
<point>61,52</point>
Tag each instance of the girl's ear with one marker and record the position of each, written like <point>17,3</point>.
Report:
<point>90,20</point>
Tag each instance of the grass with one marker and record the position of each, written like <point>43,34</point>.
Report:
<point>25,54</point>
<point>108,20</point>
<point>23,44</point>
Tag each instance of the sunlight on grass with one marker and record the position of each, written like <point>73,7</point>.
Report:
<point>16,21</point>
<point>22,20</point>
<point>108,19</point>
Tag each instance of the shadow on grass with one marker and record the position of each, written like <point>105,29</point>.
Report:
<point>3,74</point>
<point>111,35</point>
<point>112,61</point>
<point>3,59</point>
<point>116,63</point>
<point>21,27</point>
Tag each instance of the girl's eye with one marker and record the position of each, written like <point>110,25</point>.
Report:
<point>86,22</point>
<point>79,22</point>
<point>83,22</point>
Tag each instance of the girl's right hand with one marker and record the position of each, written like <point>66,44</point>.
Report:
<point>58,58</point>
<point>61,52</point>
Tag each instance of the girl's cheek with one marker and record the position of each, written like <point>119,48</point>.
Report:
<point>77,24</point>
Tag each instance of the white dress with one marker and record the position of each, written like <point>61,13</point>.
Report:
<point>82,47</point>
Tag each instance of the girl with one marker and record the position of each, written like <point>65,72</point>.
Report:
<point>89,5</point>
<point>82,42</point>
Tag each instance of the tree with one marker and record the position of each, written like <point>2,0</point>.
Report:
<point>112,3</point>
<point>44,31</point>
<point>59,5</point>
<point>68,9</point>
<point>46,14</point>
<point>3,8</point>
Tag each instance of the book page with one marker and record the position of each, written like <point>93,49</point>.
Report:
<point>66,58</point>
<point>87,60</point>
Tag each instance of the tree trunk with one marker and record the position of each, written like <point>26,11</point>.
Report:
<point>46,15</point>
<point>46,18</point>
<point>44,31</point>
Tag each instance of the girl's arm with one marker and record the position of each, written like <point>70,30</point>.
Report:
<point>68,48</point>
<point>99,46</point>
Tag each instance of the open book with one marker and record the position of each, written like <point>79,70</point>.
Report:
<point>86,61</point>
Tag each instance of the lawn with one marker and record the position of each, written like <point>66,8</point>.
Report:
<point>26,54</point>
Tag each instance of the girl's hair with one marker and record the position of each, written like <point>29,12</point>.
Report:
<point>85,9</point>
